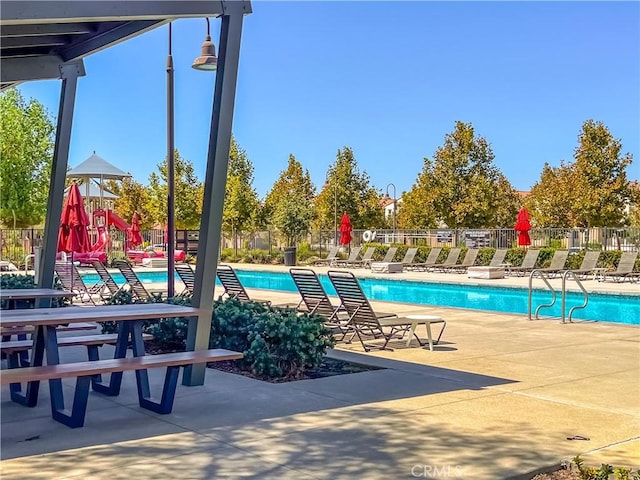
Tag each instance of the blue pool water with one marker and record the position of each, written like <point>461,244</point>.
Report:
<point>601,307</point>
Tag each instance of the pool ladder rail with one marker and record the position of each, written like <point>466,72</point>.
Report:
<point>545,278</point>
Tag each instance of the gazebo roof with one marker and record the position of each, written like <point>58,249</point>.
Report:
<point>96,167</point>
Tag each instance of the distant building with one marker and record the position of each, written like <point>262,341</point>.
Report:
<point>387,203</point>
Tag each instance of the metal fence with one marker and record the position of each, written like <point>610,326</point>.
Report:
<point>19,244</point>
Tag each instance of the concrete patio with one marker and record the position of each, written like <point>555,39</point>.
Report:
<point>497,398</point>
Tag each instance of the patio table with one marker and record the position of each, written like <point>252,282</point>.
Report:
<point>417,319</point>
<point>45,342</point>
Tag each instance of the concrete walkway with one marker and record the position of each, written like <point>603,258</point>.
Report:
<point>497,398</point>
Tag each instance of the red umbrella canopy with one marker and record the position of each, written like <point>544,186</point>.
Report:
<point>523,226</point>
<point>136,238</point>
<point>345,230</point>
<point>73,235</point>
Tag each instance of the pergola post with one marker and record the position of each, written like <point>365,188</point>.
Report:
<point>215,182</point>
<point>69,73</point>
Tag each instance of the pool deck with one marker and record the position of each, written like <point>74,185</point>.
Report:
<point>497,398</point>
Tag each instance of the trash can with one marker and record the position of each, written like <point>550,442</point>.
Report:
<point>290,256</point>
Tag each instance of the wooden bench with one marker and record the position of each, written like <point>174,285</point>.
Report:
<point>84,371</point>
<point>14,348</point>
<point>23,331</point>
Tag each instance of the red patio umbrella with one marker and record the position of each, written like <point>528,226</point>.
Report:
<point>135,237</point>
<point>345,230</point>
<point>73,235</point>
<point>522,227</point>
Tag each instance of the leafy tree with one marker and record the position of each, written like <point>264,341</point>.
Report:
<point>241,206</point>
<point>593,191</point>
<point>461,187</point>
<point>132,197</point>
<point>26,152</point>
<point>601,188</point>
<point>348,190</point>
<point>418,204</point>
<point>550,200</point>
<point>289,204</point>
<point>187,196</point>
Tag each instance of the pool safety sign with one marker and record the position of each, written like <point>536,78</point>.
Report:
<point>445,236</point>
<point>477,239</point>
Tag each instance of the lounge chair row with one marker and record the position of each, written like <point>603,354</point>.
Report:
<point>623,272</point>
<point>105,288</point>
<point>354,316</point>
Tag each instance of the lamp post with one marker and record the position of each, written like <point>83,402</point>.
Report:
<point>207,61</point>
<point>395,226</point>
<point>171,247</point>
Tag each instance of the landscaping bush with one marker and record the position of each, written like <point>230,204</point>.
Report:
<point>304,251</point>
<point>125,297</point>
<point>170,334</point>
<point>485,255</point>
<point>276,342</point>
<point>11,281</point>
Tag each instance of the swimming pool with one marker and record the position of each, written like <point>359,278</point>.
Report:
<point>608,308</point>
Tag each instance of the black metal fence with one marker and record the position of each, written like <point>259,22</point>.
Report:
<point>18,244</point>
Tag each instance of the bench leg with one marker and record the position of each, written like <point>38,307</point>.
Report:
<point>30,396</point>
<point>168,392</point>
<point>126,331</point>
<point>93,354</point>
<point>75,418</point>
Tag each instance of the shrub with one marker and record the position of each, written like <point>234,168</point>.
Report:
<point>125,297</point>
<point>276,342</point>
<point>170,334</point>
<point>304,251</point>
<point>485,255</point>
<point>11,281</point>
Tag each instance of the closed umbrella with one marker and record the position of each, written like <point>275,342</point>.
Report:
<point>345,230</point>
<point>135,238</point>
<point>73,236</point>
<point>522,227</point>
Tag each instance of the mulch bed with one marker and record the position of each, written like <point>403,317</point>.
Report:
<point>329,368</point>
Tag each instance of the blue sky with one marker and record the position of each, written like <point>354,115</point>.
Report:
<point>388,79</point>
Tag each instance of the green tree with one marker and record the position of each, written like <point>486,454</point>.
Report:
<point>241,205</point>
<point>187,194</point>
<point>466,188</point>
<point>132,197</point>
<point>550,202</point>
<point>346,190</point>
<point>418,204</point>
<point>592,191</point>
<point>289,203</point>
<point>26,152</point>
<point>600,185</point>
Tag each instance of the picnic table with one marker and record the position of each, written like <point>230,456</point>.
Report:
<point>13,295</point>
<point>45,344</point>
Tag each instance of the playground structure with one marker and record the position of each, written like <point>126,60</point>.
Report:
<point>102,219</point>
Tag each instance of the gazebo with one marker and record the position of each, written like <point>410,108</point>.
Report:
<point>49,41</point>
<point>92,173</point>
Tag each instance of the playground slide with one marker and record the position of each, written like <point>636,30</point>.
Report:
<point>100,218</point>
<point>103,239</point>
